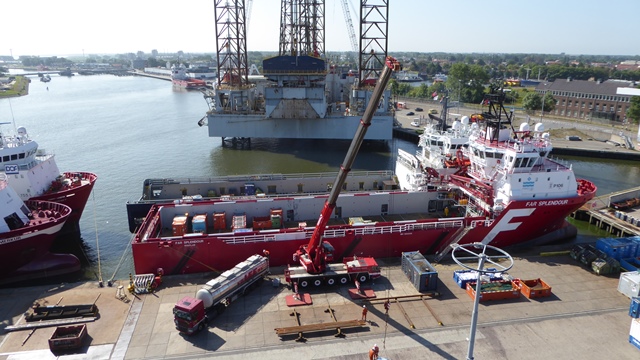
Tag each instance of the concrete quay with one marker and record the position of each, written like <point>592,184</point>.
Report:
<point>586,317</point>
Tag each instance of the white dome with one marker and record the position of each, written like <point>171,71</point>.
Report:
<point>539,127</point>
<point>524,127</point>
<point>465,120</point>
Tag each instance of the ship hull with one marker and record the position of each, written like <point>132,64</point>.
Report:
<point>75,196</point>
<point>330,127</point>
<point>25,251</point>
<point>521,222</point>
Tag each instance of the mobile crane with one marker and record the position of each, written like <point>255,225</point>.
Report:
<point>316,257</point>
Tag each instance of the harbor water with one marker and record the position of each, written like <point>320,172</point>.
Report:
<point>127,129</point>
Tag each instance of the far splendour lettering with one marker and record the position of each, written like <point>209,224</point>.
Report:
<point>547,203</point>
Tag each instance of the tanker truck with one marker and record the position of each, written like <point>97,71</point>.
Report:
<point>191,314</point>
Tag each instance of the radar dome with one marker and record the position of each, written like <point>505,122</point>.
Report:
<point>465,120</point>
<point>524,127</point>
<point>456,125</point>
<point>539,127</point>
<point>22,131</point>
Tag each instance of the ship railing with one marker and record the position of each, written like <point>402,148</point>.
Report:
<point>365,230</point>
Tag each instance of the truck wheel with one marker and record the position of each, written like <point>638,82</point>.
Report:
<point>362,278</point>
<point>201,326</point>
<point>304,283</point>
<point>331,282</point>
<point>343,280</point>
<point>317,282</point>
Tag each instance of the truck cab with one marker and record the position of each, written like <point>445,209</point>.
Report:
<point>189,315</point>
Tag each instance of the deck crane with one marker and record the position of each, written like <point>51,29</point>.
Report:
<point>347,19</point>
<point>315,257</point>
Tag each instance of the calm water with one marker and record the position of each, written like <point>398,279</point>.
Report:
<point>127,129</point>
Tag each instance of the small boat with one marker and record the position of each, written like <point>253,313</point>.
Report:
<point>34,175</point>
<point>439,77</point>
<point>403,76</point>
<point>27,231</point>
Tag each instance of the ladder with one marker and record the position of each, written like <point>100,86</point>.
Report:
<point>446,248</point>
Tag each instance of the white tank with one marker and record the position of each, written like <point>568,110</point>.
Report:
<point>224,285</point>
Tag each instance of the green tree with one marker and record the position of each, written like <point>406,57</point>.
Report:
<point>633,113</point>
<point>532,102</point>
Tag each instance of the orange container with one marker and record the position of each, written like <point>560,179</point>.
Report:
<point>219,221</point>
<point>179,225</point>
<point>533,288</point>
<point>494,290</point>
<point>261,222</point>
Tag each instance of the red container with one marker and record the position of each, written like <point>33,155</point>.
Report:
<point>179,225</point>
<point>494,290</point>
<point>261,222</point>
<point>533,288</point>
<point>219,221</point>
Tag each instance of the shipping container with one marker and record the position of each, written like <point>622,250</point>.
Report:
<point>199,224</point>
<point>629,284</point>
<point>605,266</point>
<point>421,273</point>
<point>219,221</point>
<point>249,189</point>
<point>276,221</point>
<point>179,225</point>
<point>239,221</point>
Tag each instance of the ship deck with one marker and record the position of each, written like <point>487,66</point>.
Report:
<point>585,317</point>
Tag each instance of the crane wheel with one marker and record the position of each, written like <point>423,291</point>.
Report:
<point>331,282</point>
<point>317,282</point>
<point>304,283</point>
<point>362,278</point>
<point>343,280</point>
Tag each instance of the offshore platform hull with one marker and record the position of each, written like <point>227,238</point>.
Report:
<point>331,127</point>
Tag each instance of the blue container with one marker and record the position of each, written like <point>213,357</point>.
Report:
<point>612,247</point>
<point>631,247</point>
<point>462,277</point>
<point>634,308</point>
<point>250,189</point>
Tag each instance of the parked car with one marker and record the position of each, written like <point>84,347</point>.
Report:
<point>415,123</point>
<point>433,111</point>
<point>410,113</point>
<point>418,109</point>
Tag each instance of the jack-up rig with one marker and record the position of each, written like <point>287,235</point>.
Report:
<point>302,95</point>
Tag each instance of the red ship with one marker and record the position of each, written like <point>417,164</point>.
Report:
<point>507,191</point>
<point>34,175</point>
<point>27,230</point>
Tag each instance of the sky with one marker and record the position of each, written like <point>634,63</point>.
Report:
<point>76,27</point>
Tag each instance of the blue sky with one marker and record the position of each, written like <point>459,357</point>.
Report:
<point>64,27</point>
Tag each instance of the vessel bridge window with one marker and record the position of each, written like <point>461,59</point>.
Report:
<point>223,191</point>
<point>271,189</point>
<point>361,185</point>
<point>13,221</point>
<point>300,188</point>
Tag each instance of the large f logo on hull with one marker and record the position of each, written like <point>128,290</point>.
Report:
<point>505,224</point>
